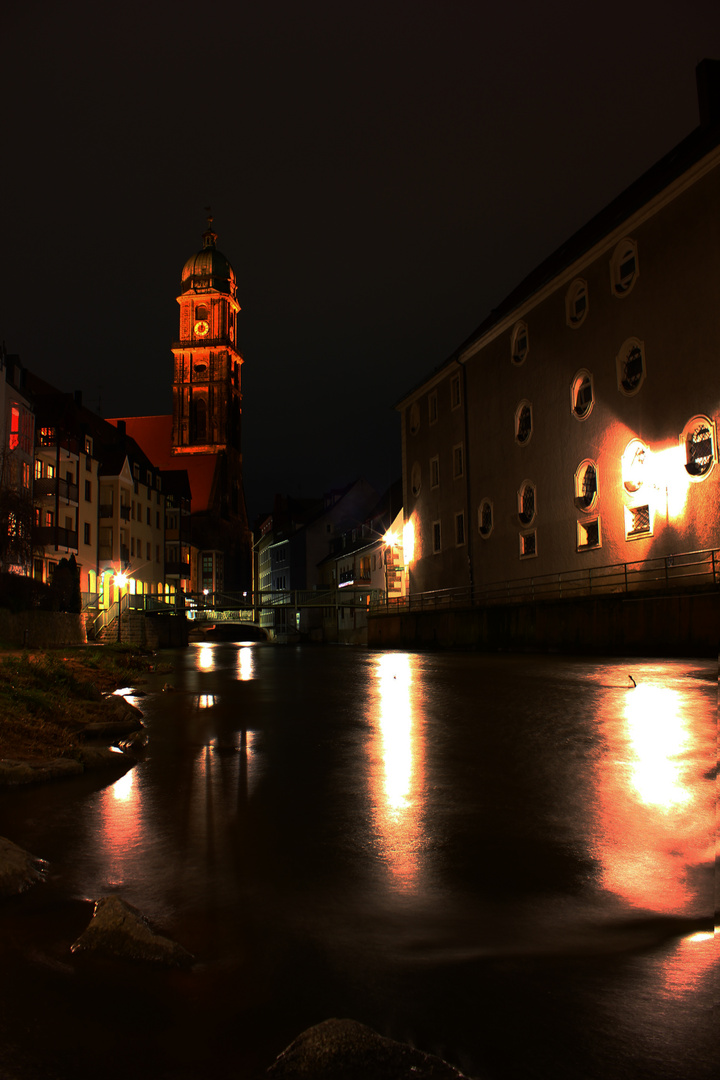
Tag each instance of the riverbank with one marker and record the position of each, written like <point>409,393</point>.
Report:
<point>52,701</point>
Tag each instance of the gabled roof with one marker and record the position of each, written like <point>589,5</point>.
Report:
<point>154,435</point>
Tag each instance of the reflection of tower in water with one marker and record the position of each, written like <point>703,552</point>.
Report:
<point>396,778</point>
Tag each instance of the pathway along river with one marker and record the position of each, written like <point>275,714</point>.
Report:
<point>505,861</point>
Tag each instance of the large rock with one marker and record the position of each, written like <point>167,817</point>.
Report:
<point>347,1050</point>
<point>119,929</point>
<point>18,869</point>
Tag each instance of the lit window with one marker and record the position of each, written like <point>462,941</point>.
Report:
<point>523,422</point>
<point>588,534</point>
<point>634,465</point>
<point>434,472</point>
<point>455,396</point>
<point>638,522</point>
<point>586,485</point>
<point>699,440</point>
<point>519,344</point>
<point>460,529</point>
<point>528,544</point>
<point>414,418</point>
<point>582,395</point>
<point>485,518</point>
<point>624,270</point>
<point>630,362</point>
<point>576,303</point>
<point>526,502</point>
<point>432,407</point>
<point>458,465</point>
<point>416,478</point>
<point>437,538</point>
<point>14,427</point>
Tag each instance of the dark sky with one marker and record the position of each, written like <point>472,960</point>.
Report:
<point>380,176</point>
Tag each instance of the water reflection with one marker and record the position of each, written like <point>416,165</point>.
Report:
<point>206,701</point>
<point>654,809</point>
<point>120,827</point>
<point>397,776</point>
<point>245,663</point>
<point>206,658</point>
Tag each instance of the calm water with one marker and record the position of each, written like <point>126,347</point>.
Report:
<point>504,861</point>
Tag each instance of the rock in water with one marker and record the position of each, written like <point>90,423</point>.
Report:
<point>347,1050</point>
<point>119,929</point>
<point>18,869</point>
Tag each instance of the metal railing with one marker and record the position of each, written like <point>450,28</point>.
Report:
<point>683,570</point>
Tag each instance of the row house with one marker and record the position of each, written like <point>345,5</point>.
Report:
<point>17,425</point>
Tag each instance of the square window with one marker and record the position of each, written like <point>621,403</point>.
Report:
<point>588,534</point>
<point>434,472</point>
<point>432,407</point>
<point>460,529</point>
<point>455,395</point>
<point>528,544</point>
<point>638,522</point>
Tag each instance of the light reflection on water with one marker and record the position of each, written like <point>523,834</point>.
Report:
<point>653,811</point>
<point>396,775</point>
<point>268,773</point>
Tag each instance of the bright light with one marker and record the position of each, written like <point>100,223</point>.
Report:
<point>390,538</point>
<point>408,541</point>
<point>120,580</point>
<point>205,592</point>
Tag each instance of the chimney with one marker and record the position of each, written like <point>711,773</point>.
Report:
<point>707,75</point>
<point>121,430</point>
<point>78,398</point>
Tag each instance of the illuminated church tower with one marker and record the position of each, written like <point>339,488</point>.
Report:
<point>206,416</point>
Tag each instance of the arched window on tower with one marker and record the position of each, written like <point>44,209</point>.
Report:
<point>199,420</point>
<point>201,313</point>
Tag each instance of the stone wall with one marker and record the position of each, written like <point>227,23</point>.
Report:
<point>41,629</point>
<point>667,625</point>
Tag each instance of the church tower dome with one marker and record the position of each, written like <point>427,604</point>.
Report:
<point>208,269</point>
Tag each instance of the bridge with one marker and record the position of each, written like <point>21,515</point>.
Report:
<point>221,612</point>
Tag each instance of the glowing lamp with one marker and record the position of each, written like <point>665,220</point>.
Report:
<point>390,538</point>
<point>408,541</point>
<point>120,580</point>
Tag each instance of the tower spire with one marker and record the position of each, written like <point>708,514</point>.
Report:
<point>209,236</point>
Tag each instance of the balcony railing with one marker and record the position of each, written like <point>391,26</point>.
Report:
<point>202,343</point>
<point>177,569</point>
<point>54,536</point>
<point>47,487</point>
<point>683,570</point>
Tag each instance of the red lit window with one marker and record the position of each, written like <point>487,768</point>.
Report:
<point>14,427</point>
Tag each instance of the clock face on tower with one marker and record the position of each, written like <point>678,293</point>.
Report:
<point>201,328</point>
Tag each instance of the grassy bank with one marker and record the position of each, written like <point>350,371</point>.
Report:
<point>46,698</point>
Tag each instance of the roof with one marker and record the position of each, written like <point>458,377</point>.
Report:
<point>696,146</point>
<point>154,435</point>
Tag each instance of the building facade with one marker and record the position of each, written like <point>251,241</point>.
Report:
<point>577,428</point>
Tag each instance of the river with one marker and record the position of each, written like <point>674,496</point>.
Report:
<point>506,861</point>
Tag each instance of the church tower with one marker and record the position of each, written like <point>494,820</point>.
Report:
<point>206,384</point>
<point>207,410</point>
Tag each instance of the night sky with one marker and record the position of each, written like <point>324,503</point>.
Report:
<point>380,177</point>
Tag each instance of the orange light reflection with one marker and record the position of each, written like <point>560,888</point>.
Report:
<point>397,778</point>
<point>655,810</point>
<point>245,663</point>
<point>206,658</point>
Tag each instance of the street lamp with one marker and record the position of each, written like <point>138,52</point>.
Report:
<point>120,581</point>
